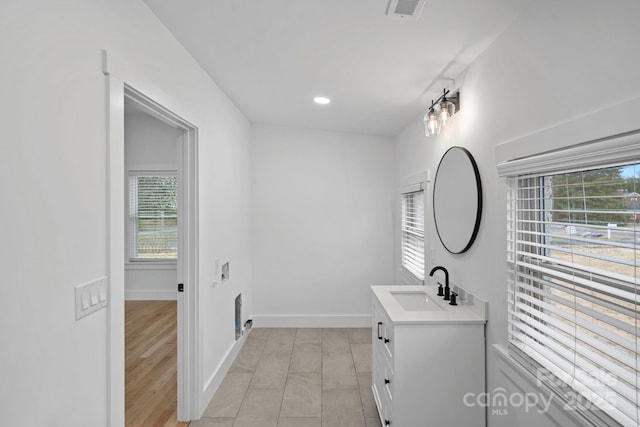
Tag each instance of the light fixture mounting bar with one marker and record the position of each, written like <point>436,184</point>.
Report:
<point>447,105</point>
<point>455,98</point>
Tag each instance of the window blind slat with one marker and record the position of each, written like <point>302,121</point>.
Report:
<point>589,284</point>
<point>153,216</point>
<point>619,404</point>
<point>613,390</point>
<point>561,321</point>
<point>625,369</point>
<point>412,249</point>
<point>541,295</point>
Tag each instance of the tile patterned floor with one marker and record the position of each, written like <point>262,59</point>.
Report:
<point>287,377</point>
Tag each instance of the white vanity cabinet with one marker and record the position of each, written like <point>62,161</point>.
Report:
<point>428,369</point>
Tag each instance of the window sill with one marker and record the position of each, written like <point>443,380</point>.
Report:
<point>151,265</point>
<point>559,409</point>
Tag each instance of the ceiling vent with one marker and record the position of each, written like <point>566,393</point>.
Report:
<point>405,9</point>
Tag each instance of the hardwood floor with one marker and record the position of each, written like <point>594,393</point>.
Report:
<point>151,364</point>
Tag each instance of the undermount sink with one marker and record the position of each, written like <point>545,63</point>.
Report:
<point>415,301</point>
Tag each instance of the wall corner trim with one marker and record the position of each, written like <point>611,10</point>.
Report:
<point>214,381</point>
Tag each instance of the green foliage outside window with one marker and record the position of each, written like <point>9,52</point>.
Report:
<point>596,197</point>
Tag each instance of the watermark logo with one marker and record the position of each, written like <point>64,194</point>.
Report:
<point>597,389</point>
<point>596,394</point>
<point>500,401</point>
<point>594,380</point>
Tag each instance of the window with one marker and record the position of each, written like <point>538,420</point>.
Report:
<point>573,249</point>
<point>413,234</point>
<point>153,216</point>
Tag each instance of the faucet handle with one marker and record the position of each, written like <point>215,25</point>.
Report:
<point>440,292</point>
<point>453,299</point>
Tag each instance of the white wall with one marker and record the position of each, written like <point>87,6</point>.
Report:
<point>149,145</point>
<point>557,61</point>
<point>322,224</point>
<point>53,169</point>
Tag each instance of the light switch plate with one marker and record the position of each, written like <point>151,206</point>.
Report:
<point>91,297</point>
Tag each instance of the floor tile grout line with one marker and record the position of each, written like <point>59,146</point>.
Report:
<point>286,381</point>
<point>357,381</point>
<point>246,391</point>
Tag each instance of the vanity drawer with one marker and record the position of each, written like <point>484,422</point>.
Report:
<point>378,387</point>
<point>388,340</point>
<point>386,414</point>
<point>388,379</point>
<point>383,330</point>
<point>383,402</point>
<point>383,377</point>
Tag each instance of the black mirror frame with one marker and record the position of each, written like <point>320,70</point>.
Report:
<point>476,226</point>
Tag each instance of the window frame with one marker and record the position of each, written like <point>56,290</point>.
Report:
<point>606,135</point>
<point>142,262</point>
<point>412,273</point>
<point>525,235</point>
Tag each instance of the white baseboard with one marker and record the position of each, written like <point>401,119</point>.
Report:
<point>312,321</point>
<point>149,295</point>
<point>216,378</point>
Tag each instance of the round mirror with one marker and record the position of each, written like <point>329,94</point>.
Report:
<point>457,200</point>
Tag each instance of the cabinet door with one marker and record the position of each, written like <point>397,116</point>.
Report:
<point>382,398</point>
<point>382,362</point>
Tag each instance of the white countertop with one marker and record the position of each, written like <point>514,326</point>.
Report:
<point>463,313</point>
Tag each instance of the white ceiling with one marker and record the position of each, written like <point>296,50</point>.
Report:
<point>271,57</point>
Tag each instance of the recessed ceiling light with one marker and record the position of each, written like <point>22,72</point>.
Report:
<point>321,100</point>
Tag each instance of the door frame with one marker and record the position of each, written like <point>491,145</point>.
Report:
<point>119,88</point>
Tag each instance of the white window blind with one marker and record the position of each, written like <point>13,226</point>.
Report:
<point>413,234</point>
<point>153,216</point>
<point>573,242</point>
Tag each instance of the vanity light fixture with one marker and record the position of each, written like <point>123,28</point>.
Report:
<point>440,111</point>
<point>431,122</point>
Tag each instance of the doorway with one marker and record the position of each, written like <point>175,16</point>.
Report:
<point>151,257</point>
<point>186,246</point>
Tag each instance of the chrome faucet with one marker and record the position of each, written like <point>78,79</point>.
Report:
<point>447,291</point>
